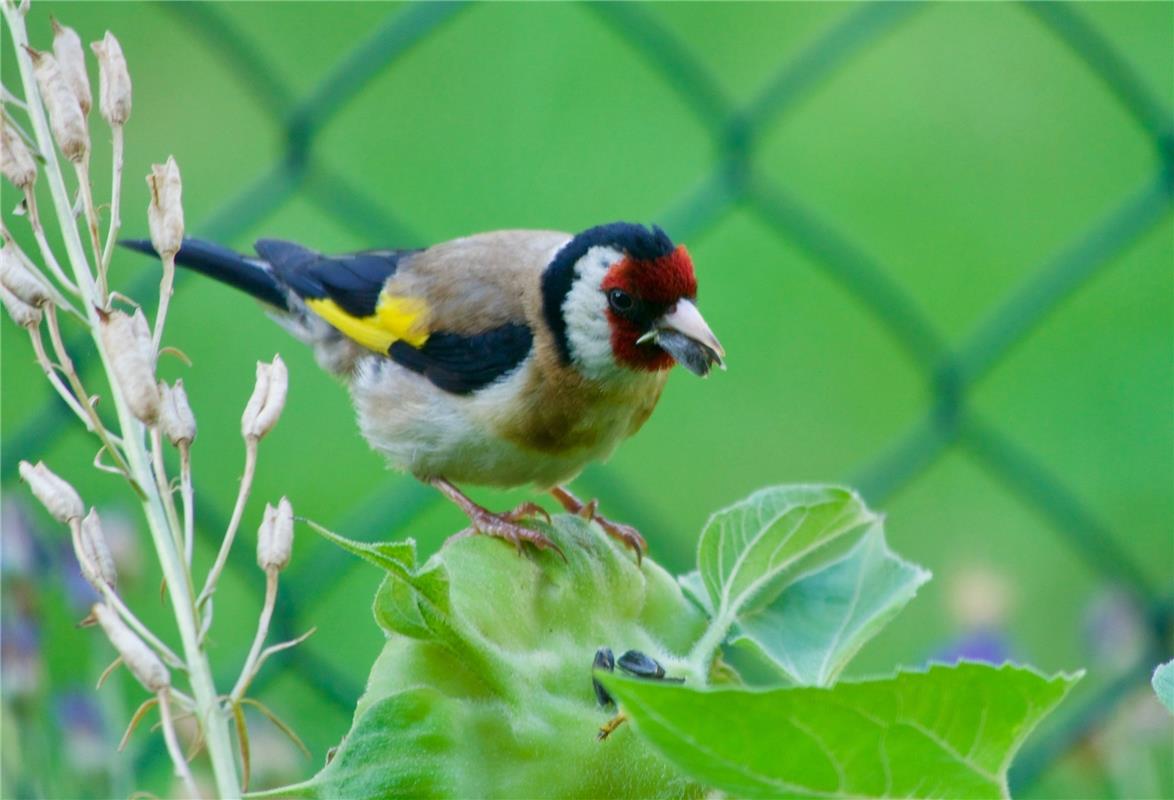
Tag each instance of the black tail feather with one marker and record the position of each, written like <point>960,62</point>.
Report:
<point>226,266</point>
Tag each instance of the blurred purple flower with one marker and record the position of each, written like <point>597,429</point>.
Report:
<point>21,553</point>
<point>80,720</point>
<point>1114,629</point>
<point>20,654</point>
<point>987,645</point>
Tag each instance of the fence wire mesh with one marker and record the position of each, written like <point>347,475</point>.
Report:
<point>950,370</point>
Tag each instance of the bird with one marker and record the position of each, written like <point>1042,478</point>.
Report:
<point>505,358</point>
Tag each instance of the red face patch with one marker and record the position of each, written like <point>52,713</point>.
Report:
<point>656,286</point>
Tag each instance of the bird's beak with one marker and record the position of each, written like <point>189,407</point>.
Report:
<point>683,334</point>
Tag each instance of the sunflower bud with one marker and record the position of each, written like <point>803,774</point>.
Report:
<point>275,536</point>
<point>67,48</point>
<point>16,162</point>
<point>65,113</point>
<point>132,360</point>
<point>139,659</point>
<point>59,498</point>
<point>165,211</point>
<point>268,399</point>
<point>22,313</point>
<point>18,280</point>
<point>113,81</point>
<point>94,557</point>
<point>175,415</point>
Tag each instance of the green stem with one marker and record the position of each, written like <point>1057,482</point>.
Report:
<point>701,656</point>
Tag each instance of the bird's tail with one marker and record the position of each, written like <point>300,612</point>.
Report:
<point>250,275</point>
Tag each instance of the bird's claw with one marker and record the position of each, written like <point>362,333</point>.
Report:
<point>505,526</point>
<point>527,510</point>
<point>626,534</point>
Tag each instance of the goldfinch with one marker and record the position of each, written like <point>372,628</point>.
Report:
<point>501,359</point>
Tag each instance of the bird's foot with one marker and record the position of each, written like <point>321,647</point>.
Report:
<point>505,526</point>
<point>527,510</point>
<point>508,526</point>
<point>589,511</point>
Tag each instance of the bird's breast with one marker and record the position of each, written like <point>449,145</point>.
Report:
<point>564,413</point>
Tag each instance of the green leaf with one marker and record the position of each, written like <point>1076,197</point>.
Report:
<point>750,551</point>
<point>821,621</point>
<point>397,748</point>
<point>492,696</point>
<point>1163,682</point>
<point>945,732</point>
<point>391,556</point>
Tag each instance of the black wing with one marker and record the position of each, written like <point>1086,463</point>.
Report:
<point>464,364</point>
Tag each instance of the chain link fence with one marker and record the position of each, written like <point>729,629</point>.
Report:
<point>950,370</point>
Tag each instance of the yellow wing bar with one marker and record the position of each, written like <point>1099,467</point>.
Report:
<point>395,319</point>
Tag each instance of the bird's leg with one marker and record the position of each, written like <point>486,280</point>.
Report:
<point>590,512</point>
<point>502,526</point>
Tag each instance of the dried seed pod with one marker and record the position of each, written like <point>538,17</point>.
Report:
<point>113,81</point>
<point>16,161</point>
<point>65,113</point>
<point>132,360</point>
<point>67,49</point>
<point>275,536</point>
<point>59,498</point>
<point>139,659</point>
<point>175,414</point>
<point>18,280</point>
<point>22,313</point>
<point>268,399</point>
<point>165,210</point>
<point>95,559</point>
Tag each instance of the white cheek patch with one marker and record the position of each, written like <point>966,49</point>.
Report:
<point>585,311</point>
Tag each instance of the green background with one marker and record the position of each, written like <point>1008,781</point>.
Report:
<point>936,242</point>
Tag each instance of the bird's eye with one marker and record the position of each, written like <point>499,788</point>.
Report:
<point>619,300</point>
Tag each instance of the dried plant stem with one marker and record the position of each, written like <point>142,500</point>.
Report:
<point>177,756</point>
<point>43,243</point>
<point>87,192</point>
<point>115,204</point>
<point>212,717</point>
<point>252,662</point>
<point>166,287</point>
<point>65,364</point>
<point>50,371</point>
<point>242,496</point>
<point>164,485</point>
<point>187,492</point>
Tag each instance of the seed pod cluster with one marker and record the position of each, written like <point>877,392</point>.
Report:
<point>268,399</point>
<point>275,536</point>
<point>17,279</point>
<point>175,414</point>
<point>139,659</point>
<point>21,294</point>
<point>165,210</point>
<point>96,562</point>
<point>59,498</point>
<point>65,113</point>
<point>113,81</point>
<point>128,341</point>
<point>16,161</point>
<point>67,49</point>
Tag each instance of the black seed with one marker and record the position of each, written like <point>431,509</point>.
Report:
<point>636,663</point>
